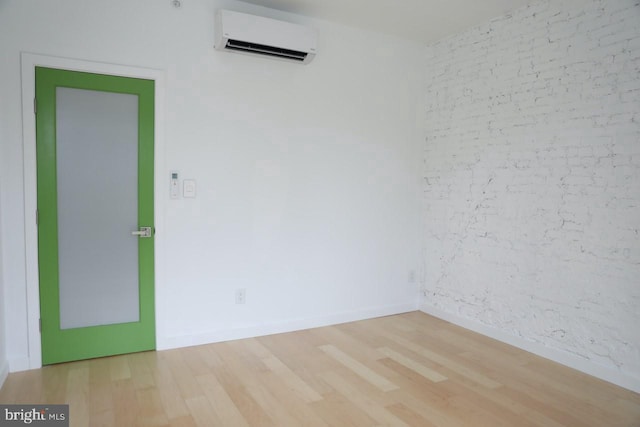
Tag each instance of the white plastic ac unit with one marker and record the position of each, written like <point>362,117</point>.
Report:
<point>256,35</point>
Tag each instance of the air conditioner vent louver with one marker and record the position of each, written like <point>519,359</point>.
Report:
<point>256,35</point>
<point>262,49</point>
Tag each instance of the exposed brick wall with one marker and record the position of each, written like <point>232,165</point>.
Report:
<point>532,178</point>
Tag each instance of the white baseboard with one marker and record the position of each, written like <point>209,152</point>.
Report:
<point>4,372</point>
<point>283,326</point>
<point>567,359</point>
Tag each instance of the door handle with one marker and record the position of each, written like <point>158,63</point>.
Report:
<point>144,232</point>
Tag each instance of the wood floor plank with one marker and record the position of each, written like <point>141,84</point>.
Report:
<point>278,382</point>
<point>226,411</point>
<point>54,382</point>
<point>119,368</point>
<point>411,383</point>
<point>78,395</point>
<point>340,337</point>
<point>257,348</point>
<point>182,375</point>
<point>125,403</point>
<point>101,409</point>
<point>186,421</point>
<point>12,388</point>
<point>539,409</point>
<point>299,351</point>
<point>172,401</point>
<point>447,362</point>
<point>436,414</point>
<point>408,416</point>
<point>269,405</point>
<point>428,373</point>
<point>296,406</point>
<point>337,411</point>
<point>364,402</point>
<point>378,380</point>
<point>194,359</point>
<point>141,367</point>
<point>293,381</point>
<point>151,412</point>
<point>403,370</point>
<point>202,412</point>
<point>103,419</point>
<point>232,378</point>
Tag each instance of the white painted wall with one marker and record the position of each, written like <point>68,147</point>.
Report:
<point>532,182</point>
<point>308,176</point>
<point>4,363</point>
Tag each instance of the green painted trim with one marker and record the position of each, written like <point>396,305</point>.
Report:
<point>84,343</point>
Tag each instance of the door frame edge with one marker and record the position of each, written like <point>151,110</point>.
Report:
<point>28,64</point>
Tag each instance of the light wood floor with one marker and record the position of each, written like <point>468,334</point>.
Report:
<point>405,370</point>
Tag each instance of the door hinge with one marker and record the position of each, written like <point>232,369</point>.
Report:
<point>35,106</point>
<point>40,324</point>
<point>37,217</point>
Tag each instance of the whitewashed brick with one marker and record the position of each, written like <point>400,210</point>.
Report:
<point>532,177</point>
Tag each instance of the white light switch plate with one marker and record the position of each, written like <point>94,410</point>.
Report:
<point>189,188</point>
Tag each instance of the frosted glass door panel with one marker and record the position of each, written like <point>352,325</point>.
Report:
<point>97,184</point>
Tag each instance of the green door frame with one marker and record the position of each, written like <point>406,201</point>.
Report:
<point>83,343</point>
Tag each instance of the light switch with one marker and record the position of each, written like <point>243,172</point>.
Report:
<point>174,190</point>
<point>189,188</point>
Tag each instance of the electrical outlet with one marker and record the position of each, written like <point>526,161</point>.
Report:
<point>241,296</point>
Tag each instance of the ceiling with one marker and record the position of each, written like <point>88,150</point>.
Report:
<point>420,20</point>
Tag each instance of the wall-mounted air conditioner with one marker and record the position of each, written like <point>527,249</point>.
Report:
<point>256,35</point>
